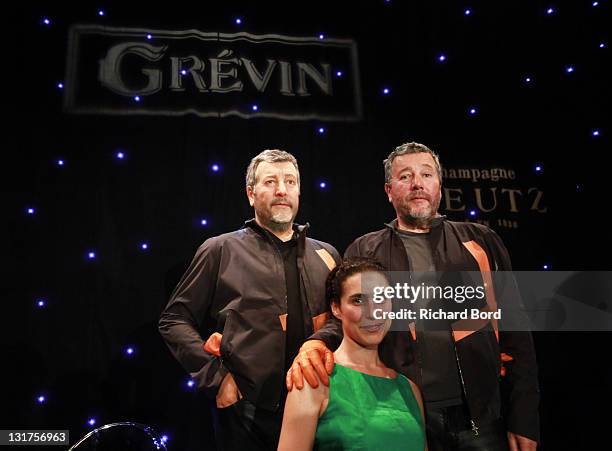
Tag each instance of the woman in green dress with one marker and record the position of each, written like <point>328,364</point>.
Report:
<point>367,405</point>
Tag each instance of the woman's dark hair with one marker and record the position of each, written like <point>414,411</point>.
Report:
<point>348,267</point>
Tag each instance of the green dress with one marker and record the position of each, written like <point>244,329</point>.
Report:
<point>367,412</point>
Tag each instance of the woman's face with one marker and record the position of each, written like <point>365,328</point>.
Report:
<point>362,317</point>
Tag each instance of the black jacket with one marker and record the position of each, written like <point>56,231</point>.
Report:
<point>235,285</point>
<point>461,246</point>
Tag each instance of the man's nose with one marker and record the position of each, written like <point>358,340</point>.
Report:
<point>417,182</point>
<point>281,189</point>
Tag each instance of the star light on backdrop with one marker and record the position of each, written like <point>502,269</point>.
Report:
<point>530,75</point>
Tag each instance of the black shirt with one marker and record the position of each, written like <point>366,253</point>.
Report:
<point>295,333</point>
<point>441,385</point>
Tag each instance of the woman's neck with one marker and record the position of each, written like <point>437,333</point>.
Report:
<point>353,354</point>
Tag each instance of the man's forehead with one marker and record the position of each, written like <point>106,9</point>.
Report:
<point>413,160</point>
<point>284,167</point>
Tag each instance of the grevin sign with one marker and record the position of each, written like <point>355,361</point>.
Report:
<point>140,71</point>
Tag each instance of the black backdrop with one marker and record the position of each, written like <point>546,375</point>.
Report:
<point>73,349</point>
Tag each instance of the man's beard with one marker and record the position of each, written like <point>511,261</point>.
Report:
<point>279,222</point>
<point>419,216</point>
<point>418,221</point>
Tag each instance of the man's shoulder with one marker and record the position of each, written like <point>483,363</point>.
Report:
<point>318,245</point>
<point>372,238</point>
<point>469,228</point>
<point>216,242</point>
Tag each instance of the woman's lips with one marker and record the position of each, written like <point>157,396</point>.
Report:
<point>372,327</point>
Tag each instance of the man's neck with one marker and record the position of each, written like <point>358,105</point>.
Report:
<point>281,234</point>
<point>415,225</point>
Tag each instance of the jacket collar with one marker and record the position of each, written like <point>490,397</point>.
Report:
<point>298,229</point>
<point>435,222</point>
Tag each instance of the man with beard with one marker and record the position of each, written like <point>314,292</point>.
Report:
<point>260,291</point>
<point>457,365</point>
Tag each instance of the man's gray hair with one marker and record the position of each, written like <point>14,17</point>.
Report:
<point>407,148</point>
<point>269,156</point>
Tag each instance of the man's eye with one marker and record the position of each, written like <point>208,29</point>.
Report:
<point>291,182</point>
<point>427,175</point>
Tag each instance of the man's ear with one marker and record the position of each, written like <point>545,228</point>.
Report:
<point>335,308</point>
<point>250,195</point>
<point>388,191</point>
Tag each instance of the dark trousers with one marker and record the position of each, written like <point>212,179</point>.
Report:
<point>242,426</point>
<point>449,429</point>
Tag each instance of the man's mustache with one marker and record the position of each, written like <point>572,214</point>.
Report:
<point>419,195</point>
<point>282,201</point>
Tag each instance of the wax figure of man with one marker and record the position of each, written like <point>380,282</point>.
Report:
<point>468,404</point>
<point>260,291</point>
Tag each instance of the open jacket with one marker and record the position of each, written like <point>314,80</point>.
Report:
<point>461,246</point>
<point>235,285</point>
